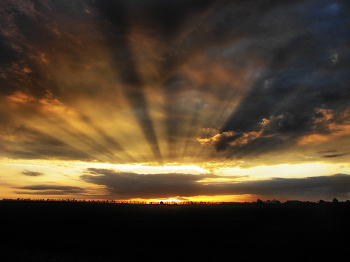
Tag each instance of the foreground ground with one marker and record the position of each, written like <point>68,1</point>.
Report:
<point>71,231</point>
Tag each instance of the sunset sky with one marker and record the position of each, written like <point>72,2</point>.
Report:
<point>223,100</point>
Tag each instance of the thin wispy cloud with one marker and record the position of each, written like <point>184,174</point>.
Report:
<point>44,189</point>
<point>32,173</point>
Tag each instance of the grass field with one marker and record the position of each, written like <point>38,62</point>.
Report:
<point>74,231</point>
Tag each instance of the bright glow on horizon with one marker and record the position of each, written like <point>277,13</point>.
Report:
<point>287,171</point>
<point>201,198</point>
<point>59,173</point>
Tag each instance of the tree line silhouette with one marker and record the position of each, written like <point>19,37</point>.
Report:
<point>171,202</point>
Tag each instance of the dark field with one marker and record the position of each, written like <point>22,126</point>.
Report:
<point>73,231</point>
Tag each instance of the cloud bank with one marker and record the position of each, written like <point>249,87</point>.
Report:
<point>127,185</point>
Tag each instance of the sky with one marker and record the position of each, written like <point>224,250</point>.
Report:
<point>188,100</point>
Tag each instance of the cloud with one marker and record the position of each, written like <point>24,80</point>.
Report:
<point>286,132</point>
<point>50,190</point>
<point>32,173</point>
<point>21,142</point>
<point>310,187</point>
<point>131,185</point>
<point>335,155</point>
<point>229,139</point>
<point>125,81</point>
<point>301,93</point>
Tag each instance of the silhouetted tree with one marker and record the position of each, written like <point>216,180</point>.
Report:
<point>259,201</point>
<point>335,200</point>
<point>277,201</point>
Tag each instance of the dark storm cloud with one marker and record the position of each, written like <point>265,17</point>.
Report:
<point>46,41</point>
<point>170,16</point>
<point>23,31</point>
<point>50,190</point>
<point>306,73</point>
<point>211,25</point>
<point>32,173</point>
<point>132,185</point>
<point>7,54</point>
